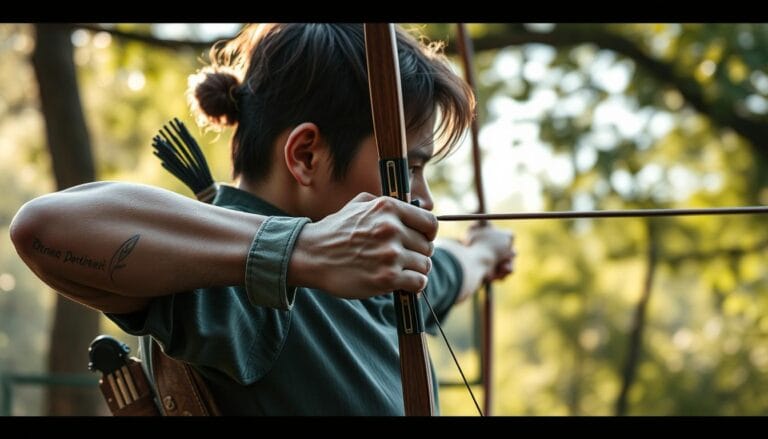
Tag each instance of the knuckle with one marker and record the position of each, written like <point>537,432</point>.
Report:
<point>384,204</point>
<point>384,230</point>
<point>389,254</point>
<point>434,224</point>
<point>386,277</point>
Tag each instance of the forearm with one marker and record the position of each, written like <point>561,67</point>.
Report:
<point>112,246</point>
<point>132,240</point>
<point>476,262</point>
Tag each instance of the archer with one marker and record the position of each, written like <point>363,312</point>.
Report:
<point>277,294</point>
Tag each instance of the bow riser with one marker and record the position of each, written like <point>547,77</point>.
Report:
<point>389,129</point>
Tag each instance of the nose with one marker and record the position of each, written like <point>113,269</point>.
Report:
<point>420,191</point>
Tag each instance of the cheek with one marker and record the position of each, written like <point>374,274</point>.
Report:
<point>363,175</point>
<point>364,179</point>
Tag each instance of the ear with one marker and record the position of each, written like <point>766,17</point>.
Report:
<point>304,152</point>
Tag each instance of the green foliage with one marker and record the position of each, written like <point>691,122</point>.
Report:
<point>566,126</point>
<point>121,122</point>
<point>563,320</point>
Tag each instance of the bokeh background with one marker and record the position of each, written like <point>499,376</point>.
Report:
<point>615,316</point>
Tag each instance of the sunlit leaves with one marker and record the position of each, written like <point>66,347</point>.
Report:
<point>633,143</point>
<point>565,126</point>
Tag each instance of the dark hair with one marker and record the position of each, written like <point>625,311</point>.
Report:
<point>275,76</point>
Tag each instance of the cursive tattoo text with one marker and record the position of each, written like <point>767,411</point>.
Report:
<point>68,256</point>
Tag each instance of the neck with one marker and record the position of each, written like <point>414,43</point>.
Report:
<point>275,191</point>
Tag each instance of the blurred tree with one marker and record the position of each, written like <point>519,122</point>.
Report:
<point>74,326</point>
<point>575,116</point>
<point>728,50</point>
<point>625,116</point>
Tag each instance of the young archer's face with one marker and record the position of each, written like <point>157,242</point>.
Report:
<point>363,175</point>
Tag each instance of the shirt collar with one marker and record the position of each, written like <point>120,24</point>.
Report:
<point>232,196</point>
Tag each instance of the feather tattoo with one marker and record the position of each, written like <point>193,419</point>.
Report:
<point>122,252</point>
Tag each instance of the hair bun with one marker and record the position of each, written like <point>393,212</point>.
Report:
<point>216,95</point>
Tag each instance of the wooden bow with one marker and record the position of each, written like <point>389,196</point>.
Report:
<point>389,129</point>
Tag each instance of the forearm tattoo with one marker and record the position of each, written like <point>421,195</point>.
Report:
<point>123,252</point>
<point>69,257</point>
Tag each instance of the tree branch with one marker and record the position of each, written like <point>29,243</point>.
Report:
<point>148,39</point>
<point>638,323</point>
<point>563,35</point>
<point>567,35</point>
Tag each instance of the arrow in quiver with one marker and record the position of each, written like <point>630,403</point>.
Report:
<point>123,383</point>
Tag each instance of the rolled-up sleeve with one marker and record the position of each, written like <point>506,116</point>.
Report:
<point>266,268</point>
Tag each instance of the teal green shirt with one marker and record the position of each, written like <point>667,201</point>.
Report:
<point>266,348</point>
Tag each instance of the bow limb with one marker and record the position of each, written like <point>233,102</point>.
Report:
<point>465,47</point>
<point>389,129</point>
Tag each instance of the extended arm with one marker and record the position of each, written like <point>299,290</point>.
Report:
<point>487,255</point>
<point>113,246</point>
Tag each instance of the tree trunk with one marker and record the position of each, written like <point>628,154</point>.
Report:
<point>74,326</point>
<point>638,322</point>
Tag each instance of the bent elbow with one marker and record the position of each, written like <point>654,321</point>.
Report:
<point>28,224</point>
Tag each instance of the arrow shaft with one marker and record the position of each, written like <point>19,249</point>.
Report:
<point>630,213</point>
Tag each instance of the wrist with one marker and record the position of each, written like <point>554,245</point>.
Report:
<point>484,257</point>
<point>301,265</point>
